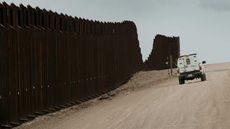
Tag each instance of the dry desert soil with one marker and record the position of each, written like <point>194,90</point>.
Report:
<point>152,100</point>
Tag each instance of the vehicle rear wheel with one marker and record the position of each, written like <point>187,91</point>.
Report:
<point>181,81</point>
<point>203,77</point>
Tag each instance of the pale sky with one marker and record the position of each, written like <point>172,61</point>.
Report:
<point>202,25</point>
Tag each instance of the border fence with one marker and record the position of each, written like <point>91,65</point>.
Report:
<point>164,48</point>
<point>49,60</point>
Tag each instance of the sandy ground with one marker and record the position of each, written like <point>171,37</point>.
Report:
<point>152,100</point>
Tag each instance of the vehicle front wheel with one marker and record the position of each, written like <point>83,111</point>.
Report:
<point>203,77</point>
<point>181,81</point>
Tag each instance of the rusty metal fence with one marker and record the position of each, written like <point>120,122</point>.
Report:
<point>49,61</point>
<point>163,48</point>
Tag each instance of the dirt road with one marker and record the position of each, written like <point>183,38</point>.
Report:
<point>162,105</point>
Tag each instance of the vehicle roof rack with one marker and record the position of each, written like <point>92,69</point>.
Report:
<point>188,55</point>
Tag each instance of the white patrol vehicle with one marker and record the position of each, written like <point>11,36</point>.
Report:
<point>190,68</point>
